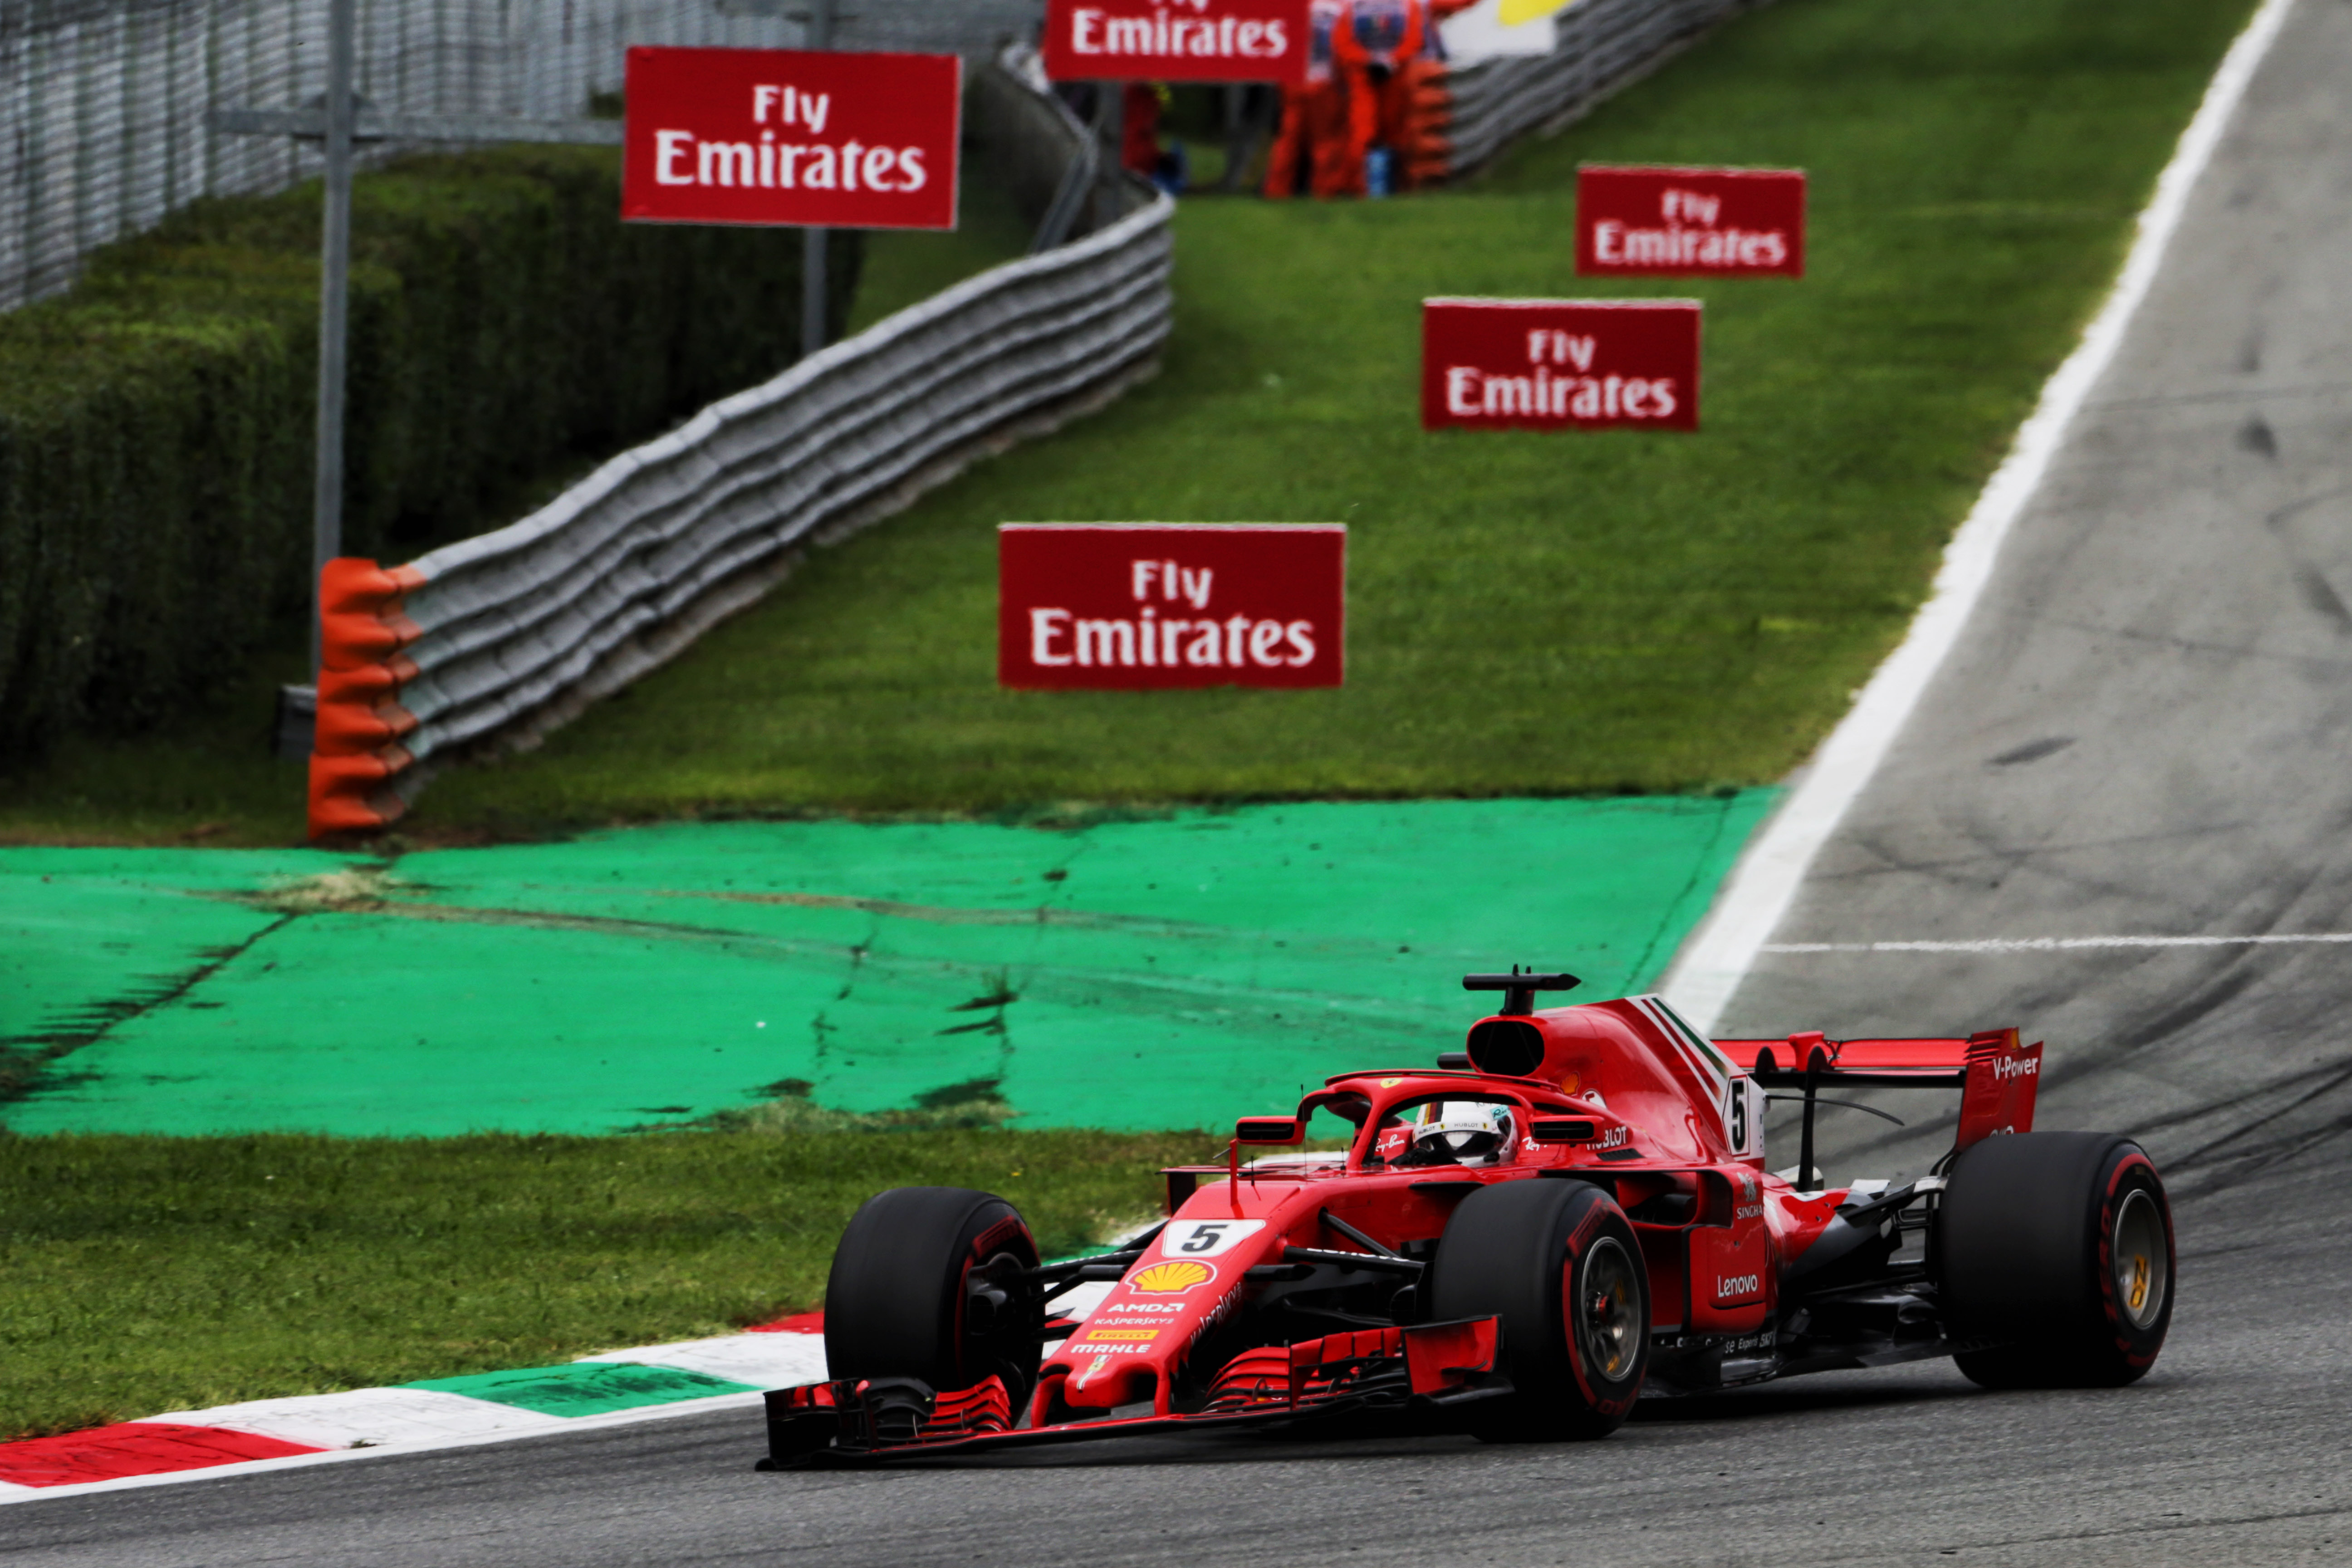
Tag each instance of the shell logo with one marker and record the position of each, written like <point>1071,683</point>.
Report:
<point>1171,1278</point>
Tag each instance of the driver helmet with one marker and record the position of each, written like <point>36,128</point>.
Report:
<point>1471,1133</point>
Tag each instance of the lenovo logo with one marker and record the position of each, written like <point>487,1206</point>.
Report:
<point>1730,1287</point>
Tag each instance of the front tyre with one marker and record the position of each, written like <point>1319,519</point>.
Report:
<point>2061,1245</point>
<point>933,1283</point>
<point>1558,1263</point>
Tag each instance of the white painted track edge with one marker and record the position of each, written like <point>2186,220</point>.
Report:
<point>1708,969</point>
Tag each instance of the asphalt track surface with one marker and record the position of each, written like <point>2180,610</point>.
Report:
<point>2143,731</point>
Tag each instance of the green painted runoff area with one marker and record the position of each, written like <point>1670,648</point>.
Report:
<point>586,1388</point>
<point>1162,971</point>
<point>88,943</point>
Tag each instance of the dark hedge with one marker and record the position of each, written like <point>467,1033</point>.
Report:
<point>156,423</point>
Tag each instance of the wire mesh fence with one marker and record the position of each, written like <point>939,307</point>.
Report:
<point>105,105</point>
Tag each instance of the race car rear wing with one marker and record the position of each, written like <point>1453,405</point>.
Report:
<point>1996,1076</point>
<point>1782,1064</point>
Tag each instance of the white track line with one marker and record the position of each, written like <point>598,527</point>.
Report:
<point>365,1417</point>
<point>1717,957</point>
<point>763,1361</point>
<point>2051,943</point>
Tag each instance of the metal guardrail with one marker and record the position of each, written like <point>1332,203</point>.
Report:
<point>515,632</point>
<point>1030,134</point>
<point>522,627</point>
<point>1602,46</point>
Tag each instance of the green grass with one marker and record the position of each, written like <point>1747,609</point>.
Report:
<point>139,1275</point>
<point>905,267</point>
<point>1531,613</point>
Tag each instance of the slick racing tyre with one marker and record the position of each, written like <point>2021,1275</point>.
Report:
<point>2061,1245</point>
<point>933,1283</point>
<point>1558,1263</point>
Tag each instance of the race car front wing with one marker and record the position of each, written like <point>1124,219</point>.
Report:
<point>1428,1367</point>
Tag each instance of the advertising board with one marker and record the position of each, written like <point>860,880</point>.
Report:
<point>1150,606</point>
<point>1176,40</point>
<point>799,137</point>
<point>1558,364</point>
<point>1653,222</point>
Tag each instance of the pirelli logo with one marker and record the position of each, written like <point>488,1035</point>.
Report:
<point>1113,1336</point>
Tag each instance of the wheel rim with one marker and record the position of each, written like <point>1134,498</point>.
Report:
<point>2143,1261</point>
<point>1001,1321</point>
<point>1606,1315</point>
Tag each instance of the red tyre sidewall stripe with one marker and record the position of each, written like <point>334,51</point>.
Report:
<point>2126,1339</point>
<point>1596,1217</point>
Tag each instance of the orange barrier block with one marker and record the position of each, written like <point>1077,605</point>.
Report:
<point>1423,147</point>
<point>352,794</point>
<point>357,712</point>
<point>354,753</point>
<point>359,611</point>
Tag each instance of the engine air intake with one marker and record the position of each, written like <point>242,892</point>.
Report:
<point>1506,1046</point>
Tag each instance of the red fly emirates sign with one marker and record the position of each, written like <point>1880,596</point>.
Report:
<point>789,136</point>
<point>1553,364</point>
<point>1140,607</point>
<point>1176,40</point>
<point>1681,223</point>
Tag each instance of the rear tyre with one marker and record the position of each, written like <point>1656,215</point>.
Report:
<point>933,1283</point>
<point>2061,1245</point>
<point>1558,1263</point>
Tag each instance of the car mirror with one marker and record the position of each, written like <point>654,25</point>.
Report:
<point>1270,1130</point>
<point>1562,1130</point>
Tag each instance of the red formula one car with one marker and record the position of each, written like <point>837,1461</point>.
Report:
<point>1518,1243</point>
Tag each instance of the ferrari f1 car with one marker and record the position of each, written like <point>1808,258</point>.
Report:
<point>1573,1212</point>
